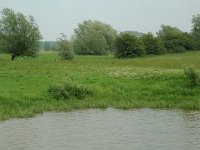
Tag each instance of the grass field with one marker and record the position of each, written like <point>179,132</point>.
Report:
<point>151,81</point>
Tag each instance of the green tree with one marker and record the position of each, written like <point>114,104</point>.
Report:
<point>174,39</point>
<point>196,29</point>
<point>128,46</point>
<point>188,41</point>
<point>65,48</point>
<point>152,44</point>
<point>94,38</point>
<point>19,35</point>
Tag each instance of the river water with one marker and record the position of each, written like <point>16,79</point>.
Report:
<point>109,129</point>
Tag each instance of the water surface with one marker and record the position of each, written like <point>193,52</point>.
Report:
<point>104,130</point>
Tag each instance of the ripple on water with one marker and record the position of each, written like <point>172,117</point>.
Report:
<point>104,129</point>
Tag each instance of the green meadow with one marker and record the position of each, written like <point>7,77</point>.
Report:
<point>148,82</point>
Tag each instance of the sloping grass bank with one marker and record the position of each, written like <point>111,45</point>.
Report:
<point>153,82</point>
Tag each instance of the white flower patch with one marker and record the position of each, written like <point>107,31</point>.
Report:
<point>138,73</point>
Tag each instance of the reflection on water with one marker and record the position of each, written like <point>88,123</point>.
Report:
<point>104,130</point>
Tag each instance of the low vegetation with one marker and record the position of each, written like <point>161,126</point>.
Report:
<point>68,91</point>
<point>192,75</point>
<point>150,81</point>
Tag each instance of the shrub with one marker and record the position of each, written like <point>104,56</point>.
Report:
<point>152,44</point>
<point>65,48</point>
<point>67,53</point>
<point>58,92</point>
<point>128,46</point>
<point>192,75</point>
<point>68,91</point>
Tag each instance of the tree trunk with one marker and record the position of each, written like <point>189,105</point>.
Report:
<point>13,57</point>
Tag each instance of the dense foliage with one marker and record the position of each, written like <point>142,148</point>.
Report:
<point>128,46</point>
<point>174,39</point>
<point>152,44</point>
<point>196,30</point>
<point>169,39</point>
<point>19,35</point>
<point>94,38</point>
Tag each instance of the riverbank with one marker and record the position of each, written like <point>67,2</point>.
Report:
<point>153,82</point>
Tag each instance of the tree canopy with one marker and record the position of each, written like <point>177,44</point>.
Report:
<point>128,46</point>
<point>19,35</point>
<point>196,29</point>
<point>94,38</point>
<point>152,44</point>
<point>174,39</point>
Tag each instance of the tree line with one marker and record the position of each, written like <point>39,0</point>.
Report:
<point>20,36</point>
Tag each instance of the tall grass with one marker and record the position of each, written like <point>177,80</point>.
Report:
<point>151,81</point>
<point>192,75</point>
<point>68,90</point>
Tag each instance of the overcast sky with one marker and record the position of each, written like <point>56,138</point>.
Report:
<point>62,16</point>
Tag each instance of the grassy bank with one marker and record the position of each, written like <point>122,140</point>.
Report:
<point>153,82</point>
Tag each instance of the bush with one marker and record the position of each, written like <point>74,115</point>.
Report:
<point>66,53</point>
<point>65,48</point>
<point>178,49</point>
<point>192,75</point>
<point>152,44</point>
<point>68,91</point>
<point>128,46</point>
